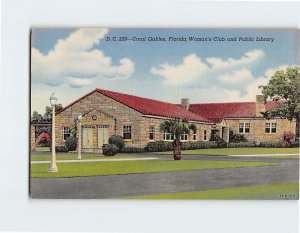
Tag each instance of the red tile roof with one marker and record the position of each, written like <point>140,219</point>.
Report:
<point>216,112</point>
<point>146,106</point>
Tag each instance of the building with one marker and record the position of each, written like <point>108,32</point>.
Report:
<point>138,119</point>
<point>245,118</point>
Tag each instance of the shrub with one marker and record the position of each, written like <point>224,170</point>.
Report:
<point>214,135</point>
<point>131,149</point>
<point>235,137</point>
<point>60,149</point>
<point>44,139</point>
<point>240,144</point>
<point>71,143</point>
<point>288,138</point>
<point>221,143</point>
<point>295,144</point>
<point>273,144</point>
<point>117,140</point>
<point>110,149</point>
<point>199,145</point>
<point>159,146</point>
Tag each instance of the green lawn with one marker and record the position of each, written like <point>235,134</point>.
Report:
<point>237,151</point>
<point>40,148</point>
<point>130,167</point>
<point>274,191</point>
<point>73,156</point>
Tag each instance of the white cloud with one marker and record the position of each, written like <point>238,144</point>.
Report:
<point>247,59</point>
<point>77,82</point>
<point>191,69</point>
<point>195,71</point>
<point>252,89</point>
<point>236,77</point>
<point>74,58</point>
<point>243,91</point>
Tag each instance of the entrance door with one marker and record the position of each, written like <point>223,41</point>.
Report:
<point>87,137</point>
<point>102,135</point>
<point>223,133</point>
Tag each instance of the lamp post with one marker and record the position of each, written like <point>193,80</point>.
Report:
<point>228,134</point>
<point>53,167</point>
<point>79,117</point>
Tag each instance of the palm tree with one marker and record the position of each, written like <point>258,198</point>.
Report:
<point>177,127</point>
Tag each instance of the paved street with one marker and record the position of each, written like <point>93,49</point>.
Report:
<point>118,186</point>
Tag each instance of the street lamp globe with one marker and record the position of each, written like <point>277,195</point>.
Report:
<point>79,117</point>
<point>53,100</point>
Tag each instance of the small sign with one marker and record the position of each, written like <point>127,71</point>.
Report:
<point>94,117</point>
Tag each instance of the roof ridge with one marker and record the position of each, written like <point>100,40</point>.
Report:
<point>239,102</point>
<point>99,90</point>
<point>246,102</point>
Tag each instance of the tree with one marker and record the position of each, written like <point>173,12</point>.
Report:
<point>74,128</point>
<point>284,85</point>
<point>177,127</point>
<point>48,109</point>
<point>35,115</point>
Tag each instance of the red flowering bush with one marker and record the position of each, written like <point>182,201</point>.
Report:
<point>43,139</point>
<point>287,144</point>
<point>288,138</point>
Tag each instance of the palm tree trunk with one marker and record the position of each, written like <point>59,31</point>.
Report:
<point>176,149</point>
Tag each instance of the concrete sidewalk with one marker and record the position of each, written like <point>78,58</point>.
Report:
<point>94,160</point>
<point>263,155</point>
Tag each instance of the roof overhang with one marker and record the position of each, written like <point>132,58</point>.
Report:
<point>167,118</point>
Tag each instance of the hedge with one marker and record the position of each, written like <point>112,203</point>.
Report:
<point>161,146</point>
<point>60,149</point>
<point>273,144</point>
<point>241,144</point>
<point>131,149</point>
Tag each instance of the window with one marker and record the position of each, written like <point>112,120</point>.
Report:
<point>247,127</point>
<point>184,137</point>
<point>195,135</point>
<point>66,133</point>
<point>168,136</point>
<point>244,128</point>
<point>151,133</point>
<point>273,128</point>
<point>270,128</point>
<point>205,135</point>
<point>127,131</point>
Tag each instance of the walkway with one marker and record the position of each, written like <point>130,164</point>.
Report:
<point>93,160</point>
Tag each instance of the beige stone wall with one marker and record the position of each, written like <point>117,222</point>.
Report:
<point>108,112</point>
<point>116,115</point>
<point>158,136</point>
<point>257,129</point>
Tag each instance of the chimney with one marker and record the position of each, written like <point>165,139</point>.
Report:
<point>260,105</point>
<point>185,103</point>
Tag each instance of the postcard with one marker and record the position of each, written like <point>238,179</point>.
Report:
<point>164,113</point>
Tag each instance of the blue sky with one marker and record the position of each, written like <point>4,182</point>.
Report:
<point>72,62</point>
